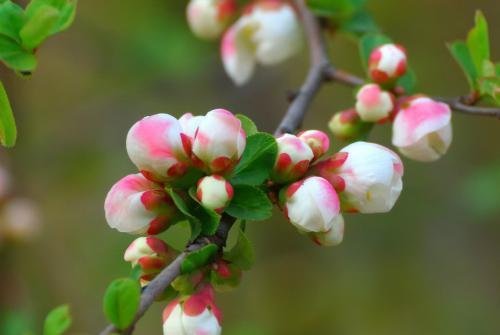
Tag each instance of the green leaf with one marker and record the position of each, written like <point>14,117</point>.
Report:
<point>180,203</point>
<point>461,53</point>
<point>209,218</point>
<point>478,42</point>
<point>250,203</point>
<point>497,69</point>
<point>242,254</point>
<point>11,20</point>
<point>257,161</point>
<point>408,81</point>
<point>57,321</point>
<point>248,125</point>
<point>490,88</point>
<point>66,12</point>
<point>369,42</point>
<point>8,131</point>
<point>13,55</point>
<point>121,302</point>
<point>196,259</point>
<point>335,8</point>
<point>39,26</point>
<point>359,23</point>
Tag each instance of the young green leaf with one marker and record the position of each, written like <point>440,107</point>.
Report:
<point>462,55</point>
<point>57,321</point>
<point>360,22</point>
<point>248,125</point>
<point>250,203</point>
<point>196,259</point>
<point>408,81</point>
<point>121,302</point>
<point>335,9</point>
<point>369,42</point>
<point>11,20</point>
<point>478,42</point>
<point>490,88</point>
<point>242,254</point>
<point>38,26</point>
<point>66,12</point>
<point>180,203</point>
<point>14,57</point>
<point>8,131</point>
<point>257,161</point>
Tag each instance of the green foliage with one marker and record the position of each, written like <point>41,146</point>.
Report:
<point>348,15</point>
<point>209,218</point>
<point>359,23</point>
<point>199,258</point>
<point>121,302</point>
<point>57,321</point>
<point>21,33</point>
<point>336,8</point>
<point>461,53</point>
<point>8,131</point>
<point>242,254</point>
<point>14,322</point>
<point>478,42</point>
<point>257,161</point>
<point>201,219</point>
<point>248,125</point>
<point>473,56</point>
<point>250,203</point>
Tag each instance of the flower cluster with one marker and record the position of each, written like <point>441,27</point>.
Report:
<point>421,126</point>
<point>197,168</point>
<point>363,177</point>
<point>267,32</point>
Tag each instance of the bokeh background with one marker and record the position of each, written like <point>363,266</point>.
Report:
<point>431,266</point>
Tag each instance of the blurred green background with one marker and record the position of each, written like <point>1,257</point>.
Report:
<point>431,266</point>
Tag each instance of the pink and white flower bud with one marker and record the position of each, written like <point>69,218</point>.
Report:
<point>312,205</point>
<point>196,315</point>
<point>151,254</point>
<point>332,237</point>
<point>317,140</point>
<point>158,148</point>
<point>368,175</point>
<point>294,157</point>
<point>373,104</point>
<point>422,129</point>
<point>219,141</point>
<point>214,192</point>
<point>387,63</point>
<point>268,33</point>
<point>208,18</point>
<point>137,205</point>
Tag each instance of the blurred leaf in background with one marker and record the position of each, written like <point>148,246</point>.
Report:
<point>480,191</point>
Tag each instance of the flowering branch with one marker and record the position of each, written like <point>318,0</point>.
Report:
<point>463,104</point>
<point>290,123</point>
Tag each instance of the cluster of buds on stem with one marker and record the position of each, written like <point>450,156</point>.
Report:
<point>363,177</point>
<point>421,126</point>
<point>267,32</point>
